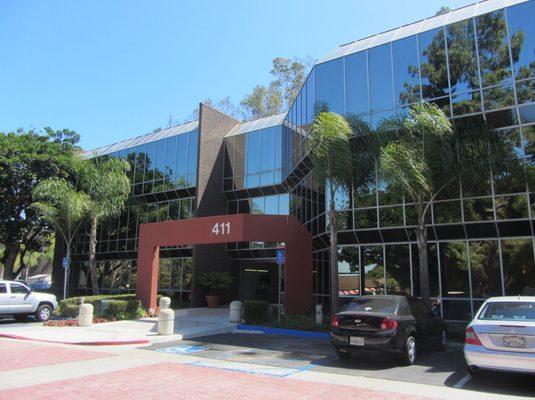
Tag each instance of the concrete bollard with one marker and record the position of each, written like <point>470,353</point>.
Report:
<point>235,311</point>
<point>166,322</point>
<point>319,314</point>
<point>85,315</point>
<point>165,302</point>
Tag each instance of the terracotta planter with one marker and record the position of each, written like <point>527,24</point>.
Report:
<point>213,300</point>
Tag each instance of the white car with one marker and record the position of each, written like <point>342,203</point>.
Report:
<point>19,300</point>
<point>502,336</point>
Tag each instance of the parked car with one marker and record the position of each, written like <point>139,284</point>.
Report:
<point>20,301</point>
<point>502,336</point>
<point>399,325</point>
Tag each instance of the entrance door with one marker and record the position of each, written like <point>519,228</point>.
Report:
<point>259,282</point>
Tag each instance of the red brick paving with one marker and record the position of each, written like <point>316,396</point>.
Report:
<point>24,355</point>
<point>178,381</point>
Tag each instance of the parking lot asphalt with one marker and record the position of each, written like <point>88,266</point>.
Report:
<point>297,353</point>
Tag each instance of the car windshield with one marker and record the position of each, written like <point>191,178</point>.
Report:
<point>508,311</point>
<point>376,305</point>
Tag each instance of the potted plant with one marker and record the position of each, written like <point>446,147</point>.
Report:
<point>215,282</point>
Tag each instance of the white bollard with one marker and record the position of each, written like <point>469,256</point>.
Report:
<point>319,314</point>
<point>235,311</point>
<point>165,302</point>
<point>166,322</point>
<point>85,315</point>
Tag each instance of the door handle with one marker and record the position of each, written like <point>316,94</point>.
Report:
<point>13,297</point>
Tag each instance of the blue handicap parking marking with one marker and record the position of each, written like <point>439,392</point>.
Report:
<point>181,350</point>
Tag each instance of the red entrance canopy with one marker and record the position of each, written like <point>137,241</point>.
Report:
<point>225,229</point>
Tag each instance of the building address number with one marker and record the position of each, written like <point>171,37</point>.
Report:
<point>222,228</point>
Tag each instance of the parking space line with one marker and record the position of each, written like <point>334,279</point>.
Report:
<point>462,381</point>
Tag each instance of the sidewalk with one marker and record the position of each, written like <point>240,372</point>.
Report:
<point>45,371</point>
<point>189,323</point>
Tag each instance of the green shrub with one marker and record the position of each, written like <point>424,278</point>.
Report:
<point>134,309</point>
<point>68,310</point>
<point>255,311</point>
<point>117,309</point>
<point>216,281</point>
<point>69,307</point>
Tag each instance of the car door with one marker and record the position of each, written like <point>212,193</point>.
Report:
<point>424,320</point>
<point>4,298</point>
<point>21,298</point>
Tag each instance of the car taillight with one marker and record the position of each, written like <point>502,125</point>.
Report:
<point>334,321</point>
<point>388,324</point>
<point>471,337</point>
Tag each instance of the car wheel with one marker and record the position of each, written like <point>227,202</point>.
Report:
<point>20,317</point>
<point>343,355</point>
<point>43,313</point>
<point>408,356</point>
<point>443,341</point>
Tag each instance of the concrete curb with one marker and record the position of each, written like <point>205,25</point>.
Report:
<point>281,331</point>
<point>87,343</point>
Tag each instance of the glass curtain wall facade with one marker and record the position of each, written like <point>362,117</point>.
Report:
<point>163,177</point>
<point>481,238</point>
<point>481,234</point>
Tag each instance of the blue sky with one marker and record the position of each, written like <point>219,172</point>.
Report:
<point>115,69</point>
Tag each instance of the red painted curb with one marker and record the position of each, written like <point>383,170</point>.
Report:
<point>96,343</point>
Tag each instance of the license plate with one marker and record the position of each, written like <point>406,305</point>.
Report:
<point>356,341</point>
<point>514,341</point>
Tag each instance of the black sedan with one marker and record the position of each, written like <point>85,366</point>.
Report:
<point>396,324</point>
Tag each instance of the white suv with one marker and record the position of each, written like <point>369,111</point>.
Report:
<point>18,300</point>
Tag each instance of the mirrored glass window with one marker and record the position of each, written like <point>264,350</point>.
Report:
<point>462,56</point>
<point>374,272</point>
<point>170,159</point>
<point>159,169</point>
<point>182,161</point>
<point>357,83</point>
<point>522,37</point>
<point>253,154</point>
<point>348,271</point>
<point>406,71</point>
<point>192,157</point>
<point>330,86</point>
<point>494,58</point>
<point>518,266</point>
<point>381,95</point>
<point>433,66</point>
<point>398,274</point>
<point>454,270</point>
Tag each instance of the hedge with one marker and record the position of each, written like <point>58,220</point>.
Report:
<point>69,307</point>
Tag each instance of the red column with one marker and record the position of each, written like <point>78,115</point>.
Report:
<point>148,260</point>
<point>298,275</point>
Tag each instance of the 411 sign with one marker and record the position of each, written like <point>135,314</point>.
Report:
<point>222,228</point>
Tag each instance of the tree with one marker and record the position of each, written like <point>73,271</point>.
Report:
<point>26,159</point>
<point>225,105</point>
<point>62,206</point>
<point>279,95</point>
<point>414,166</point>
<point>330,154</point>
<point>262,102</point>
<point>107,186</point>
<point>428,158</point>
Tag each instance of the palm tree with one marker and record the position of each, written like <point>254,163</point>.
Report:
<point>62,206</point>
<point>414,166</point>
<point>430,155</point>
<point>329,150</point>
<point>107,185</point>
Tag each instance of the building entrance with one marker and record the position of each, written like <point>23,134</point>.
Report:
<point>259,282</point>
